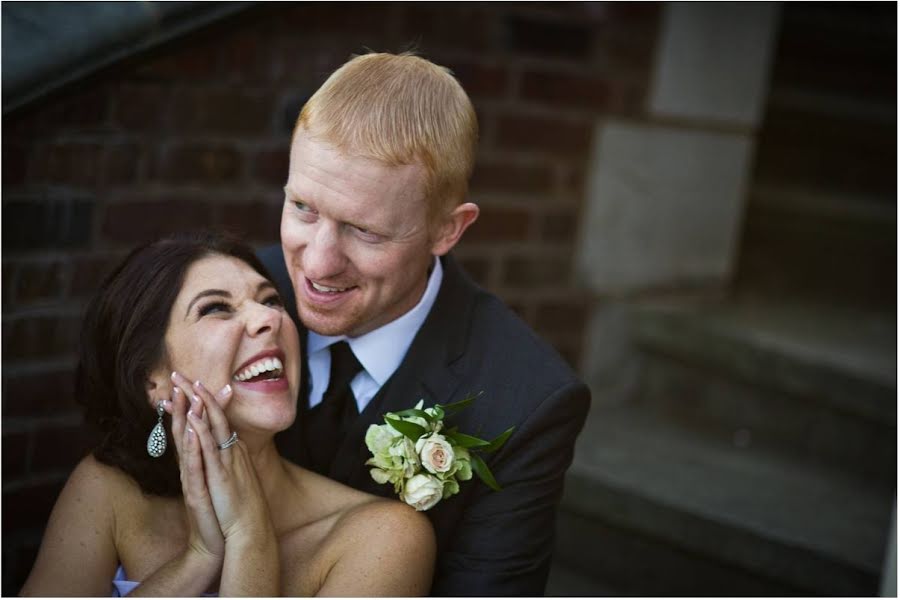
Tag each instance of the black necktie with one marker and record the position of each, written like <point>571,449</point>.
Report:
<point>328,422</point>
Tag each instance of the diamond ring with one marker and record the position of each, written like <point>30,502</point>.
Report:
<point>229,442</point>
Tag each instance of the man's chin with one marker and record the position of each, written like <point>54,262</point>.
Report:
<point>329,325</point>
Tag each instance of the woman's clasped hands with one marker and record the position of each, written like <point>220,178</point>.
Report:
<point>224,500</point>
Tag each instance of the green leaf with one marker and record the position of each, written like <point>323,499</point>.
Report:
<point>410,430</point>
<point>458,406</point>
<point>414,412</point>
<point>466,441</point>
<point>498,441</point>
<point>484,473</point>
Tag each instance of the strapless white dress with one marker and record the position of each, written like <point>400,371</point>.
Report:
<point>121,586</point>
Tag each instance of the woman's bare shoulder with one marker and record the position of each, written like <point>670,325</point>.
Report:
<point>78,552</point>
<point>92,475</point>
<point>378,548</point>
<point>389,522</point>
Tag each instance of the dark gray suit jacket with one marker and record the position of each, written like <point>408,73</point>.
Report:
<point>489,543</point>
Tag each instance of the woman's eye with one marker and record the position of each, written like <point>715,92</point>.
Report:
<point>213,307</point>
<point>273,300</point>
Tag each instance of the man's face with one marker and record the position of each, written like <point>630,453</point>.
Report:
<point>355,238</point>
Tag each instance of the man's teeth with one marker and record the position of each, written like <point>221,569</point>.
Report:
<point>260,366</point>
<point>325,288</point>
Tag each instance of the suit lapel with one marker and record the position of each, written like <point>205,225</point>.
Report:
<point>425,373</point>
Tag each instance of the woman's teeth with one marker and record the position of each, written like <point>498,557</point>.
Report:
<point>265,365</point>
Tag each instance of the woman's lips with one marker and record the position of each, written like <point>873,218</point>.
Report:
<point>265,385</point>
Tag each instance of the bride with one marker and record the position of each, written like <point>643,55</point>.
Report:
<point>186,493</point>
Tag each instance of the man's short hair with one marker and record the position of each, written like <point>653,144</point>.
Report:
<point>400,109</point>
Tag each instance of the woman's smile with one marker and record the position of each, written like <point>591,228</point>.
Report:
<point>236,331</point>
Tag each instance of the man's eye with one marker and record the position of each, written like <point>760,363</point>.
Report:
<point>366,235</point>
<point>213,307</point>
<point>304,212</point>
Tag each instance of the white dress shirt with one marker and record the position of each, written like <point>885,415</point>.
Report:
<point>379,352</point>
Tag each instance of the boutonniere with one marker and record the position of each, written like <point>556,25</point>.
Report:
<point>424,461</point>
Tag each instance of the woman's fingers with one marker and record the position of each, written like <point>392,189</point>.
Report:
<point>196,494</point>
<point>177,408</point>
<point>212,459</point>
<point>219,426</point>
<point>187,389</point>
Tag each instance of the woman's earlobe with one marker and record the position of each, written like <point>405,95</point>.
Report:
<point>158,385</point>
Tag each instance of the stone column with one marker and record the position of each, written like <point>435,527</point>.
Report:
<point>666,192</point>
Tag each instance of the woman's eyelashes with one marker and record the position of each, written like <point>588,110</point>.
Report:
<point>220,307</point>
<point>273,300</point>
<point>217,306</point>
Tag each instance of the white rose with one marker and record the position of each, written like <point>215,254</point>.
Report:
<point>436,453</point>
<point>422,492</point>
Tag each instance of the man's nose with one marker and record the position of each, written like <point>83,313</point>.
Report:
<point>323,256</point>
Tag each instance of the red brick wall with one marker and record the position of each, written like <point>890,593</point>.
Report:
<point>197,134</point>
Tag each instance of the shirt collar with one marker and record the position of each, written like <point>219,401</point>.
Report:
<point>381,350</point>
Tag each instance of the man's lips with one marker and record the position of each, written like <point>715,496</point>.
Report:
<point>322,294</point>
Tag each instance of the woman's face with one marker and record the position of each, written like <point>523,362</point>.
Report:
<point>228,326</point>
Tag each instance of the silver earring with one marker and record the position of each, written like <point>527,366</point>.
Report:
<point>156,443</point>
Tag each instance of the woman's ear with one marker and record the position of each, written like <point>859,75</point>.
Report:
<point>159,385</point>
<point>453,226</point>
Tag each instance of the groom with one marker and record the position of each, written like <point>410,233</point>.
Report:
<point>375,199</point>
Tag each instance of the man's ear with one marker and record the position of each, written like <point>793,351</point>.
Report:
<point>453,226</point>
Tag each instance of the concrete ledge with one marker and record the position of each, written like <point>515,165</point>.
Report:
<point>844,358</point>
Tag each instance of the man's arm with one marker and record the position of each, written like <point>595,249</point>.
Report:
<point>504,541</point>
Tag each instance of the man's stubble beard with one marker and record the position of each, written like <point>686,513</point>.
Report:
<point>329,324</point>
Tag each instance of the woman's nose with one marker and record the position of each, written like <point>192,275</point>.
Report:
<point>263,319</point>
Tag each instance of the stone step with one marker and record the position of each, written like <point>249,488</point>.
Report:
<point>652,509</point>
<point>567,582</point>
<point>843,155</point>
<point>819,382</point>
<point>840,248</point>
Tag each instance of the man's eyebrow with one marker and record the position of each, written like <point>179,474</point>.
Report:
<point>204,294</point>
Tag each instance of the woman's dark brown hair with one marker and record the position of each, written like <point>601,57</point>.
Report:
<point>123,340</point>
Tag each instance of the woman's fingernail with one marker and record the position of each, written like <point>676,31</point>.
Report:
<point>175,392</point>
<point>195,399</point>
<point>224,392</point>
<point>198,385</point>
<point>172,376</point>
